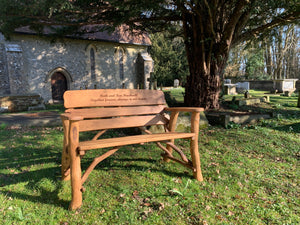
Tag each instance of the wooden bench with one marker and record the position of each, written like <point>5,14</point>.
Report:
<point>100,110</point>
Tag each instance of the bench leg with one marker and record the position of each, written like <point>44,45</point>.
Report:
<point>75,167</point>
<point>65,158</point>
<point>194,146</point>
<point>172,127</point>
<point>196,160</point>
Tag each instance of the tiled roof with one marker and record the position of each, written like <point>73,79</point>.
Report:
<point>120,35</point>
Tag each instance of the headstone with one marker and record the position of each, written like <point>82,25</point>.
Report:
<point>288,93</point>
<point>241,87</point>
<point>247,94</point>
<point>227,81</point>
<point>176,83</point>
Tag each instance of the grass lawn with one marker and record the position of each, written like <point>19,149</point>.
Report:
<point>251,177</point>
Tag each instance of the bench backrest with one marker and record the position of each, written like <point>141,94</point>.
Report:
<point>116,108</point>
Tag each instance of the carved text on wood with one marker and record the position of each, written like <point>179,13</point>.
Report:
<point>119,97</point>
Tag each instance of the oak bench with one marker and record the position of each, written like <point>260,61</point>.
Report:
<point>104,109</point>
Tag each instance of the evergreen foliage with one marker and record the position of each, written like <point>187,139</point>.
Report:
<point>169,57</point>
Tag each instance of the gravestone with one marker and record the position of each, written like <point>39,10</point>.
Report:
<point>241,87</point>
<point>247,94</point>
<point>227,81</point>
<point>176,83</point>
<point>288,93</point>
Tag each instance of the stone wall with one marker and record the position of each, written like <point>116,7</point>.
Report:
<point>264,85</point>
<point>28,67</point>
<point>42,57</point>
<point>18,103</point>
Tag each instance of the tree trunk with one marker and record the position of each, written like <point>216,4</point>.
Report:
<point>206,67</point>
<point>208,40</point>
<point>203,87</point>
<point>268,58</point>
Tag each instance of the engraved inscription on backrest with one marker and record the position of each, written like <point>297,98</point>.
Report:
<point>112,97</point>
<point>116,108</point>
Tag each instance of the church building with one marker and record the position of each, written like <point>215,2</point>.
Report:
<point>32,64</point>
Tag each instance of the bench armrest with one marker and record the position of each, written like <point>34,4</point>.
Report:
<point>184,109</point>
<point>69,116</point>
<point>195,117</point>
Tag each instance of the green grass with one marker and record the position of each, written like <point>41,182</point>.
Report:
<point>55,107</point>
<point>174,96</point>
<point>251,176</point>
<point>276,99</point>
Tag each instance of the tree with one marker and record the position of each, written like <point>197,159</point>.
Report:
<point>255,62</point>
<point>246,61</point>
<point>210,28</point>
<point>169,59</point>
<point>285,51</point>
<point>276,56</point>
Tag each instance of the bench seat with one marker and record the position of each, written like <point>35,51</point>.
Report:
<point>129,140</point>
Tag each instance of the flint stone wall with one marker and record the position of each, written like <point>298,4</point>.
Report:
<point>31,65</point>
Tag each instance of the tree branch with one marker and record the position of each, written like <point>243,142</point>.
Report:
<point>233,20</point>
<point>243,21</point>
<point>266,27</point>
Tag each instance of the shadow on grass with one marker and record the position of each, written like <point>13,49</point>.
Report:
<point>284,110</point>
<point>295,128</point>
<point>44,196</point>
<point>132,166</point>
<point>133,163</point>
<point>24,167</point>
<point>171,100</point>
<point>33,179</point>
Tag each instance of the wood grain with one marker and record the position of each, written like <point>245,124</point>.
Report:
<point>112,97</point>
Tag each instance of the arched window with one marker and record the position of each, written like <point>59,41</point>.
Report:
<point>93,64</point>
